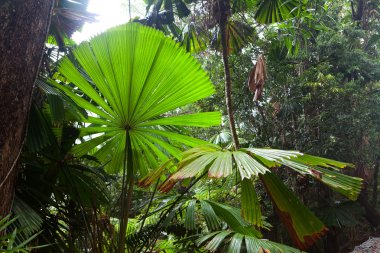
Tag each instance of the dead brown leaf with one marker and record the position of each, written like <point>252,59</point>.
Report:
<point>257,78</point>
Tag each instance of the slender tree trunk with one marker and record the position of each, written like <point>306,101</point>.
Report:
<point>375,184</point>
<point>357,14</point>
<point>23,28</point>
<point>224,10</point>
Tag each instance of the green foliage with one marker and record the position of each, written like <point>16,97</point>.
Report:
<point>233,219</point>
<point>28,220</point>
<point>127,79</point>
<point>277,10</point>
<point>322,100</point>
<point>234,242</point>
<point>254,162</point>
<point>321,97</point>
<point>8,242</point>
<point>55,191</point>
<point>135,104</point>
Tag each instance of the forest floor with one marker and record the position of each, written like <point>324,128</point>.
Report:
<point>372,245</point>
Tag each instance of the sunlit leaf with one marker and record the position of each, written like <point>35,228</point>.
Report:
<point>128,78</point>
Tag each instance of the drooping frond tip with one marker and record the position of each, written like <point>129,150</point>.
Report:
<point>303,226</point>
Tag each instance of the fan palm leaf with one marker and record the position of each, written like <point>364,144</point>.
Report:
<point>129,79</point>
<point>253,163</point>
<point>139,75</point>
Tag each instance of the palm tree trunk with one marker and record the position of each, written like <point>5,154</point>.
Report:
<point>126,193</point>
<point>223,11</point>
<point>23,29</point>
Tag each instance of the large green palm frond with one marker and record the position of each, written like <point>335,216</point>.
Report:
<point>251,162</point>
<point>129,79</point>
<point>304,227</point>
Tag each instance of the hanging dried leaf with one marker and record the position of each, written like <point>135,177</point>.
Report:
<point>257,78</point>
<point>276,108</point>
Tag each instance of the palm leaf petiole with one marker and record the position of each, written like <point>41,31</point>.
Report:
<point>126,198</point>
